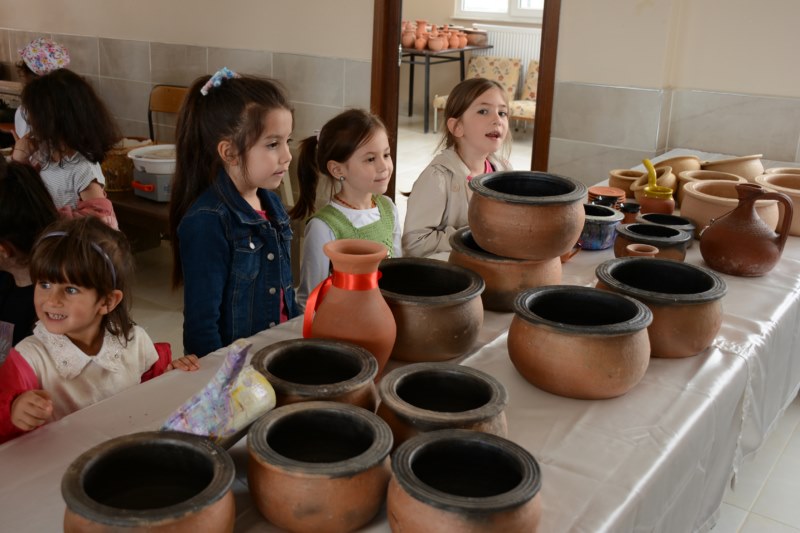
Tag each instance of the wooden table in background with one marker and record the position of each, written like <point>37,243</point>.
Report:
<point>145,222</point>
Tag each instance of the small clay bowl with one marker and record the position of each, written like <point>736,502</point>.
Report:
<point>788,184</point>
<point>703,175</point>
<point>686,301</point>
<point>623,178</point>
<point>302,370</point>
<point>680,163</point>
<point>640,250</point>
<point>707,200</point>
<point>671,243</point>
<point>599,227</point>
<point>748,166</point>
<point>672,221</point>
<point>454,481</point>
<point>664,178</point>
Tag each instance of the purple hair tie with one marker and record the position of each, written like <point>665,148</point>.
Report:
<point>97,248</point>
<point>216,80</point>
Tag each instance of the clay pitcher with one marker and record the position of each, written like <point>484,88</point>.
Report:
<point>740,243</point>
<point>348,305</point>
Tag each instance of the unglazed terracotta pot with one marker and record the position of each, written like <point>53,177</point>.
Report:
<point>664,178</point>
<point>623,178</point>
<point>526,215</point>
<point>302,370</point>
<point>599,227</point>
<point>703,175</point>
<point>459,481</point>
<point>504,276</point>
<point>640,250</point>
<point>672,221</point>
<point>429,396</point>
<point>680,163</point>
<point>686,301</point>
<point>436,306</point>
<point>160,481</point>
<point>748,166</point>
<point>708,200</point>
<point>671,243</point>
<point>353,309</point>
<point>788,184</point>
<point>319,466</point>
<point>782,170</point>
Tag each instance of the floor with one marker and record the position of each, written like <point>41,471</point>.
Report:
<point>766,497</point>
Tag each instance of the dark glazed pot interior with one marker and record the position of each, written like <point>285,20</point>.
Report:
<point>666,220</point>
<point>320,437</point>
<point>652,230</point>
<point>582,309</point>
<point>320,365</point>
<point>428,281</point>
<point>525,185</point>
<point>598,210</point>
<point>444,391</point>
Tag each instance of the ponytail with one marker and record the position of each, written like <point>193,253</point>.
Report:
<point>308,176</point>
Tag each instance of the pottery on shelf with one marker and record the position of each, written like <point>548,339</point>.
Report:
<point>788,184</point>
<point>686,301</point>
<point>664,178</point>
<point>429,396</point>
<point>408,38</point>
<point>436,306</point>
<point>639,250</point>
<point>672,221</point>
<point>579,342</point>
<point>671,242</point>
<point>740,243</point>
<point>150,481</point>
<point>302,370</point>
<point>504,276</point>
<point>526,215</point>
<point>680,163</point>
<point>319,466</point>
<point>599,227</point>
<point>707,200</point>
<point>748,166</point>
<point>623,178</point>
<point>455,481</point>
<point>703,175</point>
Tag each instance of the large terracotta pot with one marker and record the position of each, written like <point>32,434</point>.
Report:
<point>319,466</point>
<point>686,301</point>
<point>429,396</point>
<point>159,481</point>
<point>748,166</point>
<point>459,481</point>
<point>703,175</point>
<point>672,221</point>
<point>504,276</point>
<point>671,242</point>
<point>579,342</point>
<point>707,200</point>
<point>623,178</point>
<point>353,309</point>
<point>302,370</point>
<point>782,170</point>
<point>436,306</point>
<point>680,163</point>
<point>664,178</point>
<point>526,215</point>
<point>788,184</point>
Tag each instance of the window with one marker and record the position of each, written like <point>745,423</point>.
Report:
<point>503,10</point>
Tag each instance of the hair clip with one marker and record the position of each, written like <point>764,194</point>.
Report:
<point>97,248</point>
<point>216,80</point>
<point>316,134</point>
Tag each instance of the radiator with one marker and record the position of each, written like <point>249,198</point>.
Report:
<point>512,41</point>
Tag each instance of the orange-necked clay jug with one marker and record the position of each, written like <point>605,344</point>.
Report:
<point>348,305</point>
<point>740,243</point>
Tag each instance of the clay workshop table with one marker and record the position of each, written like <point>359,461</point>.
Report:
<point>655,459</point>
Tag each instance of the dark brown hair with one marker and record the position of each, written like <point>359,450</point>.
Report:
<point>339,138</point>
<point>459,100</point>
<point>64,112</point>
<point>74,258</point>
<point>234,111</point>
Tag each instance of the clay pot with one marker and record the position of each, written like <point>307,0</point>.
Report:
<point>671,242</point>
<point>477,38</point>
<point>422,27</point>
<point>153,481</point>
<point>664,178</point>
<point>707,200</point>
<point>352,309</point>
<point>421,42</point>
<point>526,215</point>
<point>454,40</point>
<point>748,166</point>
<point>686,301</point>
<point>504,276</point>
<point>458,481</point>
<point>740,243</point>
<point>630,210</point>
<point>408,39</point>
<point>672,221</point>
<point>429,396</point>
<point>302,370</point>
<point>599,227</point>
<point>579,342</point>
<point>639,250</point>
<point>788,184</point>
<point>703,175</point>
<point>319,466</point>
<point>436,44</point>
<point>436,306</point>
<point>783,170</point>
<point>680,163</point>
<point>462,39</point>
<point>623,178</point>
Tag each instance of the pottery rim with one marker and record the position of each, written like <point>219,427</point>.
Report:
<point>739,159</point>
<point>571,190</point>
<point>464,243</point>
<point>662,219</point>
<point>600,214</point>
<point>782,170</point>
<point>474,287</point>
<point>638,232</point>
<point>696,188</point>
<point>777,182</point>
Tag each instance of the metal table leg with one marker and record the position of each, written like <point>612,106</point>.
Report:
<point>410,85</point>
<point>427,91</point>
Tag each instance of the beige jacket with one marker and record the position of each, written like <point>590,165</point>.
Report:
<point>438,204</point>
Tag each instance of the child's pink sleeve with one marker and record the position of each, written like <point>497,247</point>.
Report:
<point>160,366</point>
<point>16,377</point>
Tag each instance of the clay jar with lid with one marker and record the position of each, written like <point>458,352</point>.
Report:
<point>458,481</point>
<point>152,481</point>
<point>579,342</point>
<point>707,200</point>
<point>302,370</point>
<point>429,396</point>
<point>319,466</point>
<point>504,276</point>
<point>526,215</point>
<point>671,242</point>
<point>686,301</point>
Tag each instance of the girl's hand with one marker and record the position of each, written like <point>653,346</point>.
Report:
<point>187,363</point>
<point>31,409</point>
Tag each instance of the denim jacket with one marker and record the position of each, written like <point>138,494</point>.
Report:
<point>235,265</point>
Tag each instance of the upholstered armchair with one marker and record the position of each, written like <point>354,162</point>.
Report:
<point>525,108</point>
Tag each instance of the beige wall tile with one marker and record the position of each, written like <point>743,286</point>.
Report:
<point>311,80</point>
<point>589,163</point>
<point>83,53</point>
<point>309,117</point>
<point>255,62</point>
<point>128,60</point>
<point>132,128</point>
<point>357,83</point>
<point>177,63</point>
<point>126,99</point>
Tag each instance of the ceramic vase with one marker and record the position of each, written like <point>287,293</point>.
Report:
<point>352,308</point>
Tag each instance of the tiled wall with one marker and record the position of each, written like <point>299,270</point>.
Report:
<point>124,71</point>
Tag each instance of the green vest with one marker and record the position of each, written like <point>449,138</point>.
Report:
<point>379,231</point>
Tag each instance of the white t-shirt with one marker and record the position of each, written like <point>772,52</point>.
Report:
<point>20,124</point>
<point>66,179</point>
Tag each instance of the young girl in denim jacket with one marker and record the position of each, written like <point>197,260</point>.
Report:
<point>231,234</point>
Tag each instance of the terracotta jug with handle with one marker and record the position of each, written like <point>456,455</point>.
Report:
<point>740,243</point>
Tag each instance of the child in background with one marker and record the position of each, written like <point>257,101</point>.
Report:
<point>353,151</point>
<point>231,244</point>
<point>85,347</point>
<point>476,119</point>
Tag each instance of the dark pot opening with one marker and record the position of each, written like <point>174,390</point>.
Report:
<point>527,186</point>
<point>444,391</point>
<point>663,276</point>
<point>653,230</point>
<point>598,210</point>
<point>583,308</point>
<point>422,280</point>
<point>150,476</point>
<point>666,220</point>
<point>321,436</point>
<point>314,366</point>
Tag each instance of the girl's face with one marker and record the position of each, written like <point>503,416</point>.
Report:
<point>67,309</point>
<point>268,160</point>
<point>484,125</point>
<point>369,168</point>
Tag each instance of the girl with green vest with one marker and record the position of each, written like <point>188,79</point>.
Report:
<point>352,151</point>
